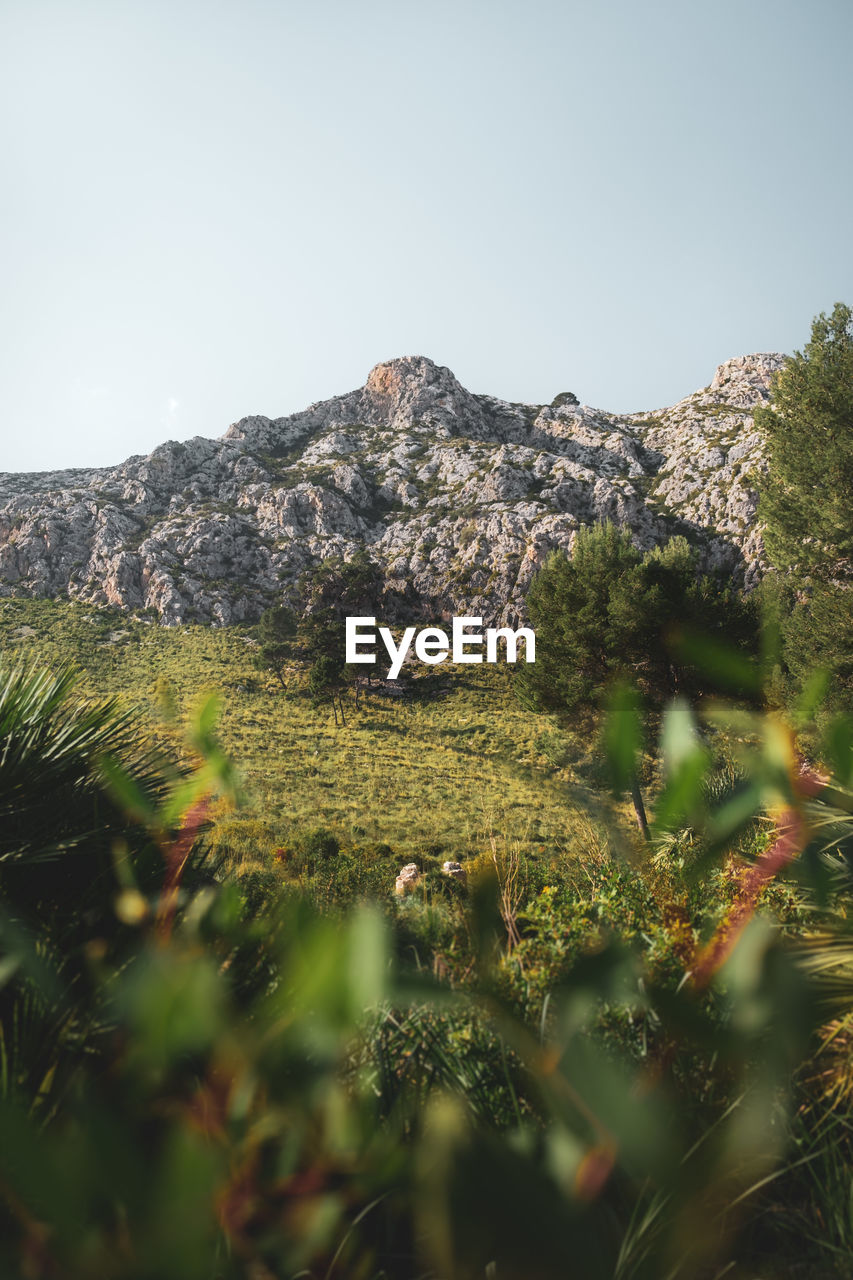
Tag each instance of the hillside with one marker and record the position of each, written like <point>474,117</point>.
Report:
<point>456,762</point>
<point>457,496</point>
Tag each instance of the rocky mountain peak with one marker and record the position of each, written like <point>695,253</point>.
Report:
<point>413,388</point>
<point>394,377</point>
<point>747,378</point>
<point>457,497</point>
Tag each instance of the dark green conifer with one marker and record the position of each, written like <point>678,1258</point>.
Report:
<point>807,500</point>
<point>807,495</point>
<point>612,613</point>
<point>277,633</point>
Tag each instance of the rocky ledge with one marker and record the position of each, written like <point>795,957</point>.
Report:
<point>458,497</point>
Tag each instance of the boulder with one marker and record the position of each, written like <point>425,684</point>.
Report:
<point>456,871</point>
<point>408,879</point>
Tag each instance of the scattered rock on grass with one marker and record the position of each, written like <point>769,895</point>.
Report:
<point>407,879</point>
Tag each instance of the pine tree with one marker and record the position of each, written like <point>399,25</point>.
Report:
<point>807,496</point>
<point>611,614</point>
<point>277,634</point>
<point>327,680</point>
<point>582,609</point>
<point>807,500</point>
<point>330,592</point>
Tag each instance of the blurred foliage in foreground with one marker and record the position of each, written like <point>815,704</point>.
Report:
<point>196,1084</point>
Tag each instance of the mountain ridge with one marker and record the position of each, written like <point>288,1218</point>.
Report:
<point>458,496</point>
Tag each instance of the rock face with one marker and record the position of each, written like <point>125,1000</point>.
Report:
<point>456,871</point>
<point>458,497</point>
<point>408,879</point>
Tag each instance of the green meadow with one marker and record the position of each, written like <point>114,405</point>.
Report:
<point>604,1034</point>
<point>456,764</point>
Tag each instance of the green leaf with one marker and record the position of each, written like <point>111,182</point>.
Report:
<point>723,665</point>
<point>838,748</point>
<point>811,698</point>
<point>368,959</point>
<point>206,717</point>
<point>686,762</point>
<point>680,739</point>
<point>126,791</point>
<point>623,735</point>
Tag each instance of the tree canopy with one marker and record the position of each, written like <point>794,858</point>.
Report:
<point>807,497</point>
<point>611,612</point>
<point>807,494</point>
<point>277,636</point>
<point>335,589</point>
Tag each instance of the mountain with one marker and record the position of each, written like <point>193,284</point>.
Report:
<point>457,496</point>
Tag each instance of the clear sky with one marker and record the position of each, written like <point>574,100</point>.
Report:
<point>225,207</point>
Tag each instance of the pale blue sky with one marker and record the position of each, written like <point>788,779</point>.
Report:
<point>219,208</point>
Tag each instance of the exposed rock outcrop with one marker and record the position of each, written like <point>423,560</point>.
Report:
<point>456,871</point>
<point>408,879</point>
<point>457,496</point>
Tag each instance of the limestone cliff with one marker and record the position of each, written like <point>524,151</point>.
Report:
<point>457,496</point>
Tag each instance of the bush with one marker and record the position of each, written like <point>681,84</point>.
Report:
<point>318,844</point>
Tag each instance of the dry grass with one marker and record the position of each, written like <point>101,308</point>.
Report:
<point>444,772</point>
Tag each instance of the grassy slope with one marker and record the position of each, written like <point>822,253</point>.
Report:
<point>434,772</point>
<point>443,771</point>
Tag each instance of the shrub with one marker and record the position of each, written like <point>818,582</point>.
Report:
<point>318,843</point>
